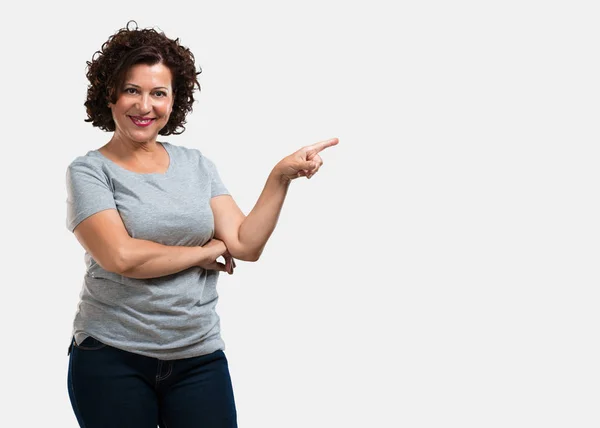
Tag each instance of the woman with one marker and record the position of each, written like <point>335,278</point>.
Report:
<point>153,218</point>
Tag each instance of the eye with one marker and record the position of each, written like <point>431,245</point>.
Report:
<point>131,89</point>
<point>162,93</point>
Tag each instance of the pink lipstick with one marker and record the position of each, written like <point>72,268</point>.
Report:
<point>141,122</point>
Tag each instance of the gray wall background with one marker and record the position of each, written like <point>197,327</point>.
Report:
<point>440,270</point>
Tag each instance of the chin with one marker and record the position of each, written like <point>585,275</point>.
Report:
<point>143,138</point>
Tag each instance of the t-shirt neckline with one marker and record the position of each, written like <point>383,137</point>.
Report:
<point>153,174</point>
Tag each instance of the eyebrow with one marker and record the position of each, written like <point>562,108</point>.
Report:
<point>157,87</point>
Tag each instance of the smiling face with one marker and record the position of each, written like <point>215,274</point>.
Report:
<point>144,103</point>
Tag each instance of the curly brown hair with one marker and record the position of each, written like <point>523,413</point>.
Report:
<point>128,47</point>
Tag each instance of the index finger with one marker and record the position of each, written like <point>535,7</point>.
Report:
<point>321,145</point>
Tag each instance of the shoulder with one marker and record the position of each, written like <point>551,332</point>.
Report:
<point>87,165</point>
<point>193,154</point>
<point>186,152</point>
<point>84,162</point>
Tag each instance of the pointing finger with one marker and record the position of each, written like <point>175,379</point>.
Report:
<point>321,145</point>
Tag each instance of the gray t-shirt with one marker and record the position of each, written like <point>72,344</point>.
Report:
<point>169,317</point>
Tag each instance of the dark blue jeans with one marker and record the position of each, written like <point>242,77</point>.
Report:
<point>112,388</point>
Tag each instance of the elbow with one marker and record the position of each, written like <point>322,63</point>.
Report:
<point>111,261</point>
<point>114,266</point>
<point>253,258</point>
<point>247,256</point>
<point>255,255</point>
<point>119,264</point>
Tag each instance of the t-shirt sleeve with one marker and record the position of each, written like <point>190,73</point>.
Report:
<point>216,186</point>
<point>88,192</point>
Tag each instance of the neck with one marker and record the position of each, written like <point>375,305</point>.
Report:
<point>128,148</point>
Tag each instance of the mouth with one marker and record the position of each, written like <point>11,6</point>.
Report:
<point>142,121</point>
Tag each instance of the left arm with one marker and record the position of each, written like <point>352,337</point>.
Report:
<point>246,236</point>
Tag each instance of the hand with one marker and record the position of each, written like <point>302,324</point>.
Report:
<point>305,162</point>
<point>214,249</point>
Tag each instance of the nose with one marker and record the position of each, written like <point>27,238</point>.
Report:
<point>144,104</point>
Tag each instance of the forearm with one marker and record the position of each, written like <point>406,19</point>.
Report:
<point>259,224</point>
<point>146,259</point>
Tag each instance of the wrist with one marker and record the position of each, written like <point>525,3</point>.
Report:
<point>202,255</point>
<point>280,177</point>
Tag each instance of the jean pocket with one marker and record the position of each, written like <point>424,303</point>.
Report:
<point>90,344</point>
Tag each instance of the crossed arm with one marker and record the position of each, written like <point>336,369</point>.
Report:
<point>104,237</point>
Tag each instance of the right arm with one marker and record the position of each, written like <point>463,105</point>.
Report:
<point>146,259</point>
<point>104,237</point>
